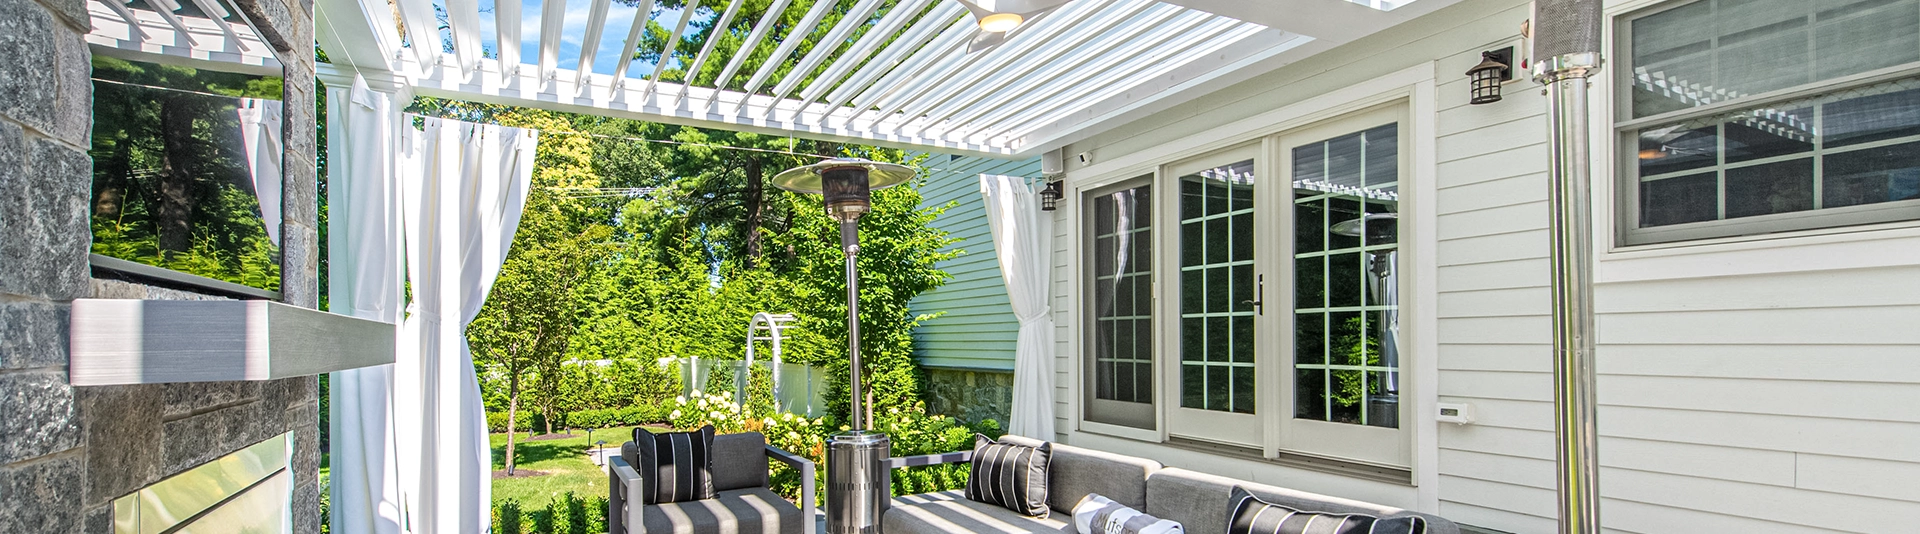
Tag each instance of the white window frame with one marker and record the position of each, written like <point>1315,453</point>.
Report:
<point>1627,231</point>
<point>1410,89</point>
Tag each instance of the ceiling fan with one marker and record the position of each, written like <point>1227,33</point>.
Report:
<point>997,18</point>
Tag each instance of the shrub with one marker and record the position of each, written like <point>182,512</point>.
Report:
<point>528,421</point>
<point>612,417</point>
<point>507,517</point>
<point>911,430</point>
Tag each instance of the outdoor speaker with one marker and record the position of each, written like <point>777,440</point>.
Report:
<point>1053,162</point>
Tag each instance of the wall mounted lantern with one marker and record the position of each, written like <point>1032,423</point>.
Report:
<point>1050,196</point>
<point>1496,67</point>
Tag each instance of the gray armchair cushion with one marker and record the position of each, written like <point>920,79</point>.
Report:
<point>739,461</point>
<point>1201,502</point>
<point>950,511</point>
<point>1076,472</point>
<point>742,511</point>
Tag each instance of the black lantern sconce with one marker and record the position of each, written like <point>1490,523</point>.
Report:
<point>1495,68</point>
<point>1050,196</point>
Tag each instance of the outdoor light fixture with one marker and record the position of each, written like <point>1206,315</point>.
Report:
<point>1050,196</point>
<point>859,486</point>
<point>1001,22</point>
<point>1496,67</point>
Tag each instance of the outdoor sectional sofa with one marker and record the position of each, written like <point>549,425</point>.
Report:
<point>1197,500</point>
<point>744,504</point>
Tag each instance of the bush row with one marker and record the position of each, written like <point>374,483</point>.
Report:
<point>565,515</point>
<point>583,419</point>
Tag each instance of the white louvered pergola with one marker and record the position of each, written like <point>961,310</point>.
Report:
<point>901,72</point>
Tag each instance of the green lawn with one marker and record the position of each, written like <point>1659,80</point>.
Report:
<point>564,461</point>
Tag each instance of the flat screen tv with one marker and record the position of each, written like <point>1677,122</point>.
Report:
<point>186,172</point>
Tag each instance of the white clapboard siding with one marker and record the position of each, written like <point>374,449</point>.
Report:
<point>1745,386</point>
<point>976,328</point>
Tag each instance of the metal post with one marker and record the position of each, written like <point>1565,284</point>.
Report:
<point>1566,55</point>
<point>850,241</point>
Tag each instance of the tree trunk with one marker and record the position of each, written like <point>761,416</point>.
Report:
<point>111,192</point>
<point>513,409</point>
<point>173,215</point>
<point>756,207</point>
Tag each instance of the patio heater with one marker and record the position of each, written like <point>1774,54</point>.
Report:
<point>1382,288</point>
<point>859,488</point>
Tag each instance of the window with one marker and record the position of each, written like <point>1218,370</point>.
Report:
<point>1275,292</point>
<point>1762,116</point>
<point>1120,373</point>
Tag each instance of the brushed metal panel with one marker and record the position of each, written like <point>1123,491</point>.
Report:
<point>123,341</point>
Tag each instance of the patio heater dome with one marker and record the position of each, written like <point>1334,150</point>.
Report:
<point>847,183</point>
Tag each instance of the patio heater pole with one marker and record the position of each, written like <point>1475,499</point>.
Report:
<point>859,486</point>
<point>1566,52</point>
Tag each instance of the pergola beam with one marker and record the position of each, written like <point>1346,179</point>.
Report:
<point>673,43</point>
<point>506,30</point>
<point>423,33</point>
<point>632,44</point>
<point>798,33</point>
<point>553,21</point>
<point>941,106</point>
<point>463,20</point>
<point>767,21</point>
<point>713,38</point>
<point>854,19</point>
<point>1046,83</point>
<point>590,43</point>
<point>910,43</point>
<point>888,28</point>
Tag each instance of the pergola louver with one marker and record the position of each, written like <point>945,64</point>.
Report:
<point>889,72</point>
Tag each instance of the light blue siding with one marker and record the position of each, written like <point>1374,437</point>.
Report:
<point>977,330</point>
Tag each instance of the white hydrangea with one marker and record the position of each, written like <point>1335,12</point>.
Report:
<point>674,415</point>
<point>682,399</point>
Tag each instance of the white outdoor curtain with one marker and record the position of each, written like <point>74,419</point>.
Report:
<point>364,281</point>
<point>260,134</point>
<point>1021,240</point>
<point>463,187</point>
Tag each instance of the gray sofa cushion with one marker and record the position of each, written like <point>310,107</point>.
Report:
<point>739,461</point>
<point>1076,472</point>
<point>752,510</point>
<point>1201,502</point>
<point>950,511</point>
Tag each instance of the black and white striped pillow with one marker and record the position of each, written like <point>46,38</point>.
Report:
<point>1009,476</point>
<point>1099,515</point>
<point>1254,516</point>
<point>674,466</point>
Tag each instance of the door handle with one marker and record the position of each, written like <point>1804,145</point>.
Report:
<point>1259,291</point>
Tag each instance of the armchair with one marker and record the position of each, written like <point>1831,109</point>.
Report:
<point>742,502</point>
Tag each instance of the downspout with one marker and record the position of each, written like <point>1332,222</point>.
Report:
<point>1566,49</point>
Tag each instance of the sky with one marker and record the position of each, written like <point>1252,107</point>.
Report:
<point>612,38</point>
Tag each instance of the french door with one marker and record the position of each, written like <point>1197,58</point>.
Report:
<point>1216,390</point>
<point>1339,229</point>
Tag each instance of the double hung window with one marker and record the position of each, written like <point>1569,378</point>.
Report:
<point>1759,116</point>
<point>1265,316</point>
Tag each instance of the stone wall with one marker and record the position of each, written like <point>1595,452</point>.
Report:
<point>67,452</point>
<point>970,394</point>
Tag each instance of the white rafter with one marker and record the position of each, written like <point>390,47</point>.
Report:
<point>590,44</point>
<point>167,13</point>
<point>767,21</point>
<point>423,32</point>
<point>797,34</point>
<point>506,28</point>
<point>718,29</point>
<point>553,21</point>
<point>463,20</point>
<point>889,25</point>
<point>632,44</point>
<point>673,43</point>
<point>854,18</point>
<point>924,30</point>
<point>900,77</point>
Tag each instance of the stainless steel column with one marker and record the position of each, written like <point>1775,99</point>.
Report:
<point>859,488</point>
<point>1566,55</point>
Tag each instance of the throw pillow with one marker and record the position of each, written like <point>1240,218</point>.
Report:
<point>1251,515</point>
<point>1009,476</point>
<point>674,466</point>
<point>1099,515</point>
